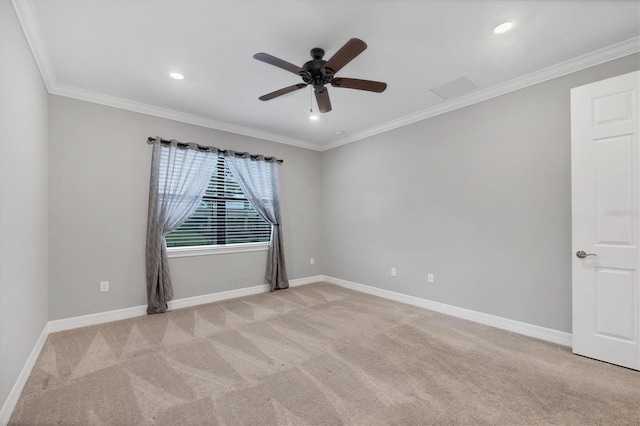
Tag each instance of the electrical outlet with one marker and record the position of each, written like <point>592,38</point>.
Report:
<point>430,278</point>
<point>104,286</point>
<point>312,261</point>
<point>393,272</point>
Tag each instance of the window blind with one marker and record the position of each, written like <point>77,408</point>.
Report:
<point>224,216</point>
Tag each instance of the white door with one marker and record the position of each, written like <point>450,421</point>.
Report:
<point>605,187</point>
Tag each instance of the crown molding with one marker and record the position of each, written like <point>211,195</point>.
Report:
<point>591,59</point>
<point>28,18</point>
<point>140,107</point>
<point>31,27</point>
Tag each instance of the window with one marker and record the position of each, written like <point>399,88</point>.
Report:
<point>223,217</point>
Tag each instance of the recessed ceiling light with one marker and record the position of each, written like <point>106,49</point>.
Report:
<point>176,75</point>
<point>313,117</point>
<point>503,28</point>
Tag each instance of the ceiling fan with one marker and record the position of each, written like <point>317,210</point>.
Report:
<point>318,72</point>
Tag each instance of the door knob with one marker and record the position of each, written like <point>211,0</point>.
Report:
<point>582,254</point>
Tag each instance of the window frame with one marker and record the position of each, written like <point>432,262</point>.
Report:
<point>213,249</point>
<point>189,251</point>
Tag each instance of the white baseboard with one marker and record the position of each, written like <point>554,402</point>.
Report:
<point>186,302</point>
<point>93,319</point>
<point>12,399</point>
<point>305,281</point>
<point>548,334</point>
<point>232,294</point>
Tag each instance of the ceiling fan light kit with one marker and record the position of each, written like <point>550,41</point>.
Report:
<point>317,73</point>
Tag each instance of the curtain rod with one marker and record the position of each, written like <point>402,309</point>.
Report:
<point>151,139</point>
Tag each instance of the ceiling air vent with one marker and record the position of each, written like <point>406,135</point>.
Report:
<point>454,88</point>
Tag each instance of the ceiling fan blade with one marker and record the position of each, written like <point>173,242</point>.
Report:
<point>355,83</point>
<point>322,96</point>
<point>283,91</point>
<point>272,60</point>
<point>350,50</point>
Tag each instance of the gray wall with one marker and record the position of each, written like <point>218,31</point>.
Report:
<point>480,197</point>
<point>23,200</point>
<point>99,184</point>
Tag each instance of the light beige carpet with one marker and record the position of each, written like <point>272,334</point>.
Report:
<point>317,355</point>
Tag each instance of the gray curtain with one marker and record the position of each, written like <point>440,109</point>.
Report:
<point>258,179</point>
<point>179,178</point>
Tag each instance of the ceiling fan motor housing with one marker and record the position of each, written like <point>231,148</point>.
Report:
<point>318,75</point>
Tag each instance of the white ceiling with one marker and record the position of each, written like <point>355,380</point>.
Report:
<point>120,53</point>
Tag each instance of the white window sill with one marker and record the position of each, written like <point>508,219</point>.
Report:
<point>209,250</point>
